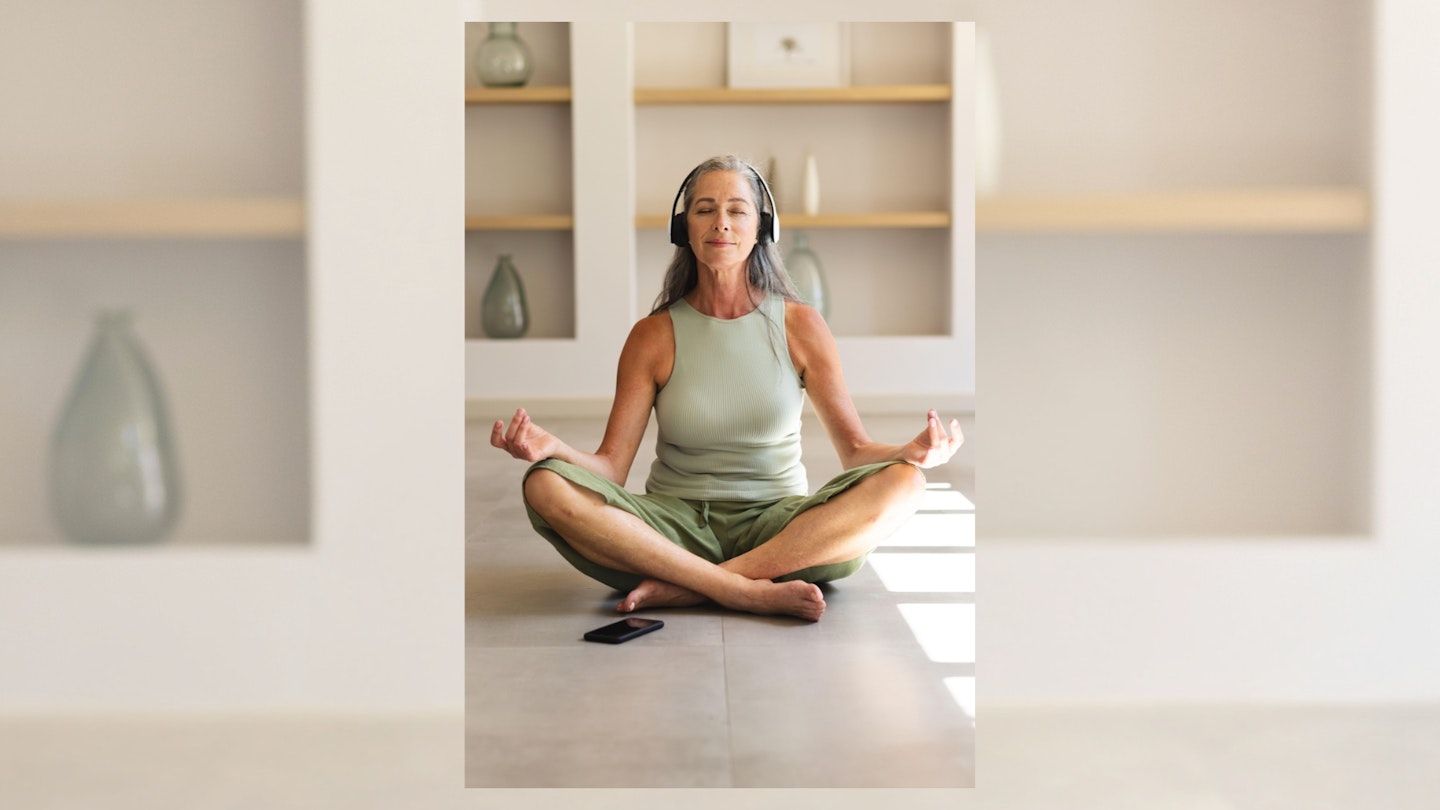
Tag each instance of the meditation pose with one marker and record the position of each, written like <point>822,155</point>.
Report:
<point>725,360</point>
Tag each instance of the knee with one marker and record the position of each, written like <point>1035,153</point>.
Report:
<point>543,488</point>
<point>906,479</point>
<point>905,487</point>
<point>553,496</point>
<point>538,483</point>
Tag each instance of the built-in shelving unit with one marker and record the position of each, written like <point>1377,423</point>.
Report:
<point>146,173</point>
<point>893,219</point>
<point>547,182</point>
<point>517,95</point>
<point>519,189</point>
<point>909,93</point>
<point>1175,273</point>
<point>885,146</point>
<point>219,217</point>
<point>1297,210</point>
<point>521,222</point>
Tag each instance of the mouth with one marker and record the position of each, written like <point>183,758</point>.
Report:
<point>718,242</point>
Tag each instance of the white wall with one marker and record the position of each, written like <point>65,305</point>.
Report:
<point>1145,385</point>
<point>1317,619</point>
<point>368,615</point>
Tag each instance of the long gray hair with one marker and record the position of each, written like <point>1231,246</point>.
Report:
<point>766,268</point>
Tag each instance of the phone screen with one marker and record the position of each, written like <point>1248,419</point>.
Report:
<point>624,630</point>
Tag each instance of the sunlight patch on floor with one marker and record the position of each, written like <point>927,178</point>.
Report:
<point>945,500</point>
<point>905,564</point>
<point>946,632</point>
<point>922,572</point>
<point>947,530</point>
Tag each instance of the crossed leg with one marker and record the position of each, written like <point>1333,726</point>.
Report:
<point>844,528</point>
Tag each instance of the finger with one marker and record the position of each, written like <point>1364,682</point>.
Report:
<point>955,431</point>
<point>497,433</point>
<point>527,431</point>
<point>514,426</point>
<point>937,435</point>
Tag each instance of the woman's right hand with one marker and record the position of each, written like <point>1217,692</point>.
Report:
<point>524,439</point>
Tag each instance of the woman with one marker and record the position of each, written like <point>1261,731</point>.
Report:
<point>725,359</point>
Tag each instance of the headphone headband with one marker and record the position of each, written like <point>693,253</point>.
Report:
<point>769,230</point>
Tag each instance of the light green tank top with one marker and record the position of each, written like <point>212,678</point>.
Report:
<point>729,416</point>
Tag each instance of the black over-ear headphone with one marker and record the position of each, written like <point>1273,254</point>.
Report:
<point>769,230</point>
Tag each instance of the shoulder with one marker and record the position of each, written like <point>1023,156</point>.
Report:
<point>651,346</point>
<point>652,329</point>
<point>811,343</point>
<point>804,323</point>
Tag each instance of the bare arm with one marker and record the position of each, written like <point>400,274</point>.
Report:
<point>816,357</point>
<point>645,365</point>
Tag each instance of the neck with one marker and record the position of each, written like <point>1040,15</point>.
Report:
<point>723,295</point>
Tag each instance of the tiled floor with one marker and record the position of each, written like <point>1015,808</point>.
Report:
<point>1078,758</point>
<point>715,698</point>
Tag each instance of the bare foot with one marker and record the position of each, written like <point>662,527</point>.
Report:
<point>654,593</point>
<point>801,599</point>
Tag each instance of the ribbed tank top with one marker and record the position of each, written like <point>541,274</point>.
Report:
<point>729,416</point>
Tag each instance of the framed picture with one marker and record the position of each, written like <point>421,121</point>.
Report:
<point>788,54</point>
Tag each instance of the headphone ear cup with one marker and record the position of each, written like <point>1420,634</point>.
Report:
<point>679,234</point>
<point>766,234</point>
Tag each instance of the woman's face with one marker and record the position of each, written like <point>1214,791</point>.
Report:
<point>723,220</point>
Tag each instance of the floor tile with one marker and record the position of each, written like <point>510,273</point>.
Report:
<point>592,715</point>
<point>851,617</point>
<point>843,716</point>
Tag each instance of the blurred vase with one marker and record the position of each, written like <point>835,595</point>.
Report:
<point>807,275</point>
<point>114,478</point>
<point>503,311</point>
<point>503,60</point>
<point>987,119</point>
<point>810,190</point>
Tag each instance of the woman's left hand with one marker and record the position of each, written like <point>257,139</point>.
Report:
<point>934,446</point>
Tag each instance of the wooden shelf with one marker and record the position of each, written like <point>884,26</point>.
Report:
<point>793,95</point>
<point>223,217</point>
<point>517,95</point>
<point>529,222</point>
<point>1300,210</point>
<point>894,219</point>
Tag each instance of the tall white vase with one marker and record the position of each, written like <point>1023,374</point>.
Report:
<point>811,187</point>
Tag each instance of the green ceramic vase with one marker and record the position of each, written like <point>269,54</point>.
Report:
<point>114,476</point>
<point>503,60</point>
<point>808,276</point>
<point>503,311</point>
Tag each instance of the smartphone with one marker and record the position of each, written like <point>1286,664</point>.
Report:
<point>623,630</point>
